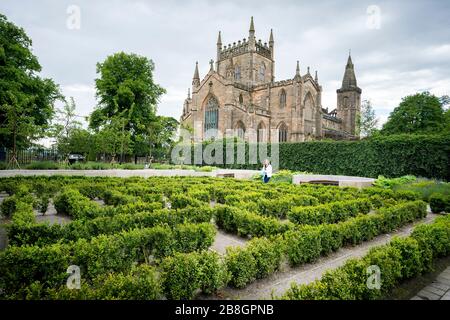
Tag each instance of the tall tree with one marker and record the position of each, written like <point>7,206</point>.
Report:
<point>113,139</point>
<point>419,113</point>
<point>367,121</point>
<point>126,89</point>
<point>23,94</point>
<point>161,136</point>
<point>65,123</point>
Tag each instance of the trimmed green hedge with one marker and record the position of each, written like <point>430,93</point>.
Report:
<point>99,255</point>
<point>74,204</point>
<point>258,259</point>
<point>43,233</point>
<point>330,212</point>
<point>279,208</point>
<point>390,156</point>
<point>309,242</point>
<point>245,223</point>
<point>401,259</point>
<point>439,203</point>
<point>263,256</point>
<point>140,283</point>
<point>184,274</point>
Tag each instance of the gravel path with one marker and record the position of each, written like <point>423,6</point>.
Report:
<point>224,240</point>
<point>279,282</point>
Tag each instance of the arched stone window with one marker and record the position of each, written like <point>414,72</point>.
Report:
<point>237,73</point>
<point>240,130</point>
<point>261,132</point>
<point>262,72</point>
<point>309,107</point>
<point>211,117</point>
<point>282,98</point>
<point>345,102</point>
<point>282,132</point>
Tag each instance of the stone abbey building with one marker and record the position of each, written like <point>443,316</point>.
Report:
<point>239,96</point>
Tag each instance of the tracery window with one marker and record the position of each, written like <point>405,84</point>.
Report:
<point>211,117</point>
<point>282,98</point>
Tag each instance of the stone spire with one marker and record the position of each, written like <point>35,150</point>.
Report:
<point>252,27</point>
<point>219,50</point>
<point>189,94</point>
<point>349,80</point>
<point>196,78</point>
<point>316,78</point>
<point>271,43</point>
<point>219,39</point>
<point>297,72</point>
<point>251,36</point>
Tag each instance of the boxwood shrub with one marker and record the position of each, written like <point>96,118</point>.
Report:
<point>439,203</point>
<point>244,223</point>
<point>401,259</point>
<point>330,212</point>
<point>71,202</point>
<point>184,275</point>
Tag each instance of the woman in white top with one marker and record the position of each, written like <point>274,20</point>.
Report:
<point>266,171</point>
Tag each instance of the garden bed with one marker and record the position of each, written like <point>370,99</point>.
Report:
<point>165,230</point>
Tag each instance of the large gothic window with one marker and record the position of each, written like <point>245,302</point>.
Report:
<point>309,108</point>
<point>237,73</point>
<point>240,130</point>
<point>309,115</point>
<point>282,133</point>
<point>282,98</point>
<point>211,118</point>
<point>261,132</point>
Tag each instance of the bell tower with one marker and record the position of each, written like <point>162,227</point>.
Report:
<point>349,99</point>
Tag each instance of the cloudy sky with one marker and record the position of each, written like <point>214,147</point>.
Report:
<point>398,47</point>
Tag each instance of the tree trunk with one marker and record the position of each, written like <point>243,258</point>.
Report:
<point>13,161</point>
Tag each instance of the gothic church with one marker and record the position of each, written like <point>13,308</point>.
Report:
<point>239,96</point>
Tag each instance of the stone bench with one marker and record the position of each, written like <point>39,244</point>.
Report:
<point>341,181</point>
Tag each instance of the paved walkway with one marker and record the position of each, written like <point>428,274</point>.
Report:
<point>439,289</point>
<point>239,174</point>
<point>280,281</point>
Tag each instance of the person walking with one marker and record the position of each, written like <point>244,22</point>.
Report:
<point>266,171</point>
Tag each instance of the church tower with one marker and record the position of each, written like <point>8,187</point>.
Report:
<point>349,99</point>
<point>247,61</point>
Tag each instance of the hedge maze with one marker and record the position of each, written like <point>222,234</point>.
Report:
<point>152,237</point>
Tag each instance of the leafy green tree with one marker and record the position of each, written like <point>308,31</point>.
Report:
<point>65,124</point>
<point>419,113</point>
<point>113,139</point>
<point>163,138</point>
<point>26,100</point>
<point>80,141</point>
<point>126,89</point>
<point>367,121</point>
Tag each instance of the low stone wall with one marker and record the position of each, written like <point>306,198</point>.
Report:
<point>342,181</point>
<point>239,174</point>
